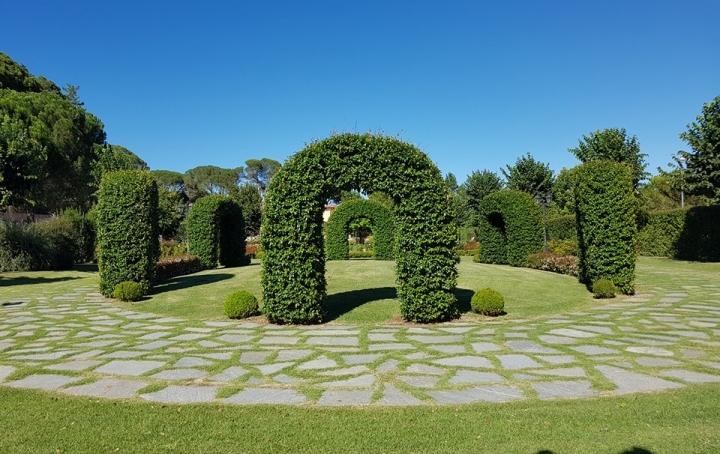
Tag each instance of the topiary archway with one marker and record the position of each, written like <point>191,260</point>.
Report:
<point>216,232</point>
<point>509,228</point>
<point>336,242</point>
<point>293,277</point>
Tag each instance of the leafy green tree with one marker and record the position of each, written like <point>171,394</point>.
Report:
<point>248,197</point>
<point>21,162</point>
<point>451,182</point>
<point>115,157</point>
<point>16,77</point>
<point>171,212</point>
<point>613,145</point>
<point>207,180</point>
<point>563,191</point>
<point>477,186</point>
<point>260,172</point>
<point>172,181</point>
<point>529,175</point>
<point>662,192</point>
<point>702,176</point>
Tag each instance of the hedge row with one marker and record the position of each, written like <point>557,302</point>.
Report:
<point>127,229</point>
<point>686,234</point>
<point>509,228</point>
<point>606,223</point>
<point>178,265</point>
<point>562,228</point>
<point>216,232</point>
<point>338,225</point>
<point>293,276</point>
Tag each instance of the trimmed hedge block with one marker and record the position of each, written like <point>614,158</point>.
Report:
<point>383,229</point>
<point>216,232</point>
<point>127,229</point>
<point>509,228</point>
<point>606,220</point>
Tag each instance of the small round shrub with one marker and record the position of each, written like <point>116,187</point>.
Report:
<point>604,288</point>
<point>241,304</point>
<point>487,301</point>
<point>128,291</point>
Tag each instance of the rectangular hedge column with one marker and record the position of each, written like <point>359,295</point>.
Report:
<point>127,229</point>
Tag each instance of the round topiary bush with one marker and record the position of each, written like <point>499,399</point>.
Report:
<point>128,291</point>
<point>604,288</point>
<point>241,304</point>
<point>487,301</point>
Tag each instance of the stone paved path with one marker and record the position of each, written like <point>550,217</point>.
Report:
<point>82,344</point>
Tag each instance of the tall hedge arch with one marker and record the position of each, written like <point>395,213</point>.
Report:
<point>606,209</point>
<point>509,228</point>
<point>293,277</point>
<point>338,226</point>
<point>127,229</point>
<point>216,232</point>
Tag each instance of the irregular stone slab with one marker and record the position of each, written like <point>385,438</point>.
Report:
<point>190,361</point>
<point>168,320</point>
<point>270,369</point>
<point>183,394</point>
<point>686,353</point>
<point>457,329</point>
<point>5,372</point>
<point>517,362</point>
<point>465,361</point>
<point>692,334</point>
<point>482,347</point>
<point>450,349</point>
<point>393,346</point>
<point>292,355</point>
<point>321,362</point>
<point>393,396</point>
<point>486,394</point>
<point>594,350</point>
<point>558,359</point>
<point>254,357</point>
<point>557,340</point>
<point>112,388</point>
<point>349,341</point>
<point>419,381</point>
<point>180,374</point>
<point>40,381</point>
<point>286,379</point>
<point>128,367</point>
<point>690,376</point>
<point>516,335</point>
<point>74,365</point>
<point>471,376</point>
<point>266,396</point>
<point>355,382</point>
<point>289,340</point>
<point>415,330</point>
<point>360,359</point>
<point>189,337</point>
<point>562,372</point>
<point>656,362</point>
<point>218,356</point>
<point>154,336</point>
<point>154,345</point>
<point>714,365</point>
<point>530,347</point>
<point>633,382</point>
<point>87,354</point>
<point>235,338</point>
<point>424,369</point>
<point>594,329</point>
<point>123,354</point>
<point>564,389</point>
<point>381,337</point>
<point>42,356</point>
<point>419,355</point>
<point>436,339</point>
<point>231,373</point>
<point>650,351</point>
<point>335,398</point>
<point>346,371</point>
<point>388,366</point>
<point>572,333</point>
<point>330,332</point>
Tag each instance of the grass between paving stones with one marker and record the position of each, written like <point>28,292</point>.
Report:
<point>677,421</point>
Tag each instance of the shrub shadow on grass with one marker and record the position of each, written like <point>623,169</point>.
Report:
<point>25,280</point>
<point>187,281</point>
<point>633,450</point>
<point>86,268</point>
<point>338,304</point>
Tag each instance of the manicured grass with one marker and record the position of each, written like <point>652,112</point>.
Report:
<point>682,421</point>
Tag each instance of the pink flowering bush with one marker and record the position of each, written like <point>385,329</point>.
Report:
<point>562,264</point>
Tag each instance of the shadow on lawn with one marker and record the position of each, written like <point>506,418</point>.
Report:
<point>182,282</point>
<point>633,450</point>
<point>26,280</point>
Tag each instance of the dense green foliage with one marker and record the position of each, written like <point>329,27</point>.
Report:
<point>487,301</point>
<point>336,244</point>
<point>216,232</point>
<point>248,197</point>
<point>177,265</point>
<point>687,234</point>
<point>564,193</point>
<point>293,276</point>
<point>241,304</point>
<point>530,176</point>
<point>128,291</point>
<point>509,228</point>
<point>472,191</point>
<point>604,288</point>
<point>562,228</point>
<point>127,229</point>
<point>606,222</point>
<point>660,231</point>
<point>613,145</point>
<point>702,176</point>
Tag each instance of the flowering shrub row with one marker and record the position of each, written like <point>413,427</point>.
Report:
<point>177,265</point>
<point>563,264</point>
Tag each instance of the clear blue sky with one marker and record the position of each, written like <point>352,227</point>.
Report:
<point>475,84</point>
